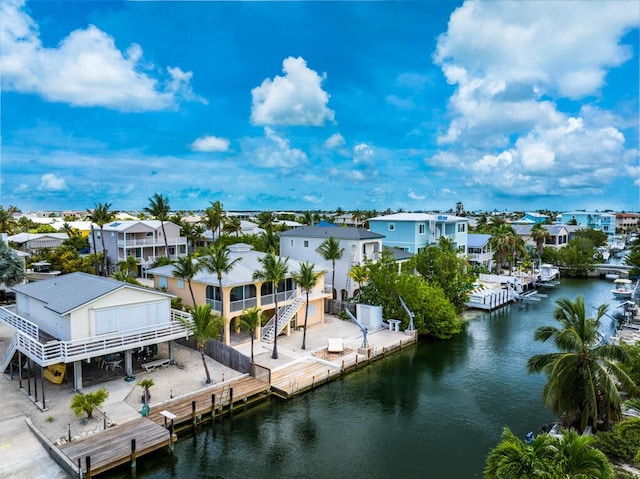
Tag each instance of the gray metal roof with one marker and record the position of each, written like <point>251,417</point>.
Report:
<point>525,230</point>
<point>337,232</point>
<point>67,292</point>
<point>477,240</point>
<point>398,254</point>
<point>241,273</point>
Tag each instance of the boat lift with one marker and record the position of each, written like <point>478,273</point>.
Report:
<point>411,326</point>
<point>365,344</point>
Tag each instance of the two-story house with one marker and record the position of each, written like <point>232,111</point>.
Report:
<point>558,235</point>
<point>605,222</point>
<point>479,249</point>
<point>413,232</point>
<point>142,239</point>
<point>357,244</point>
<point>240,292</point>
<point>76,317</point>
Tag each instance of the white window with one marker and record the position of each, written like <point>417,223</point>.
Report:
<point>392,226</point>
<point>306,244</point>
<point>180,283</point>
<point>162,282</point>
<point>421,229</point>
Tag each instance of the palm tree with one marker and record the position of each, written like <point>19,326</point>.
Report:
<point>502,242</point>
<point>270,240</point>
<point>250,321</point>
<point>130,265</point>
<point>193,233</point>
<point>330,250</point>
<point>583,376</point>
<point>213,217</point>
<point>186,268</point>
<point>233,225</point>
<point>539,234</point>
<point>11,266</point>
<point>306,218</point>
<point>548,457</point>
<point>87,403</point>
<point>216,261</point>
<point>204,325</point>
<point>359,273</point>
<point>101,216</point>
<point>266,219</point>
<point>274,270</point>
<point>159,209</point>
<point>307,279</point>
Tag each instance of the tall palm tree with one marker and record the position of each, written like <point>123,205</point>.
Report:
<point>502,242</point>
<point>583,376</point>
<point>270,240</point>
<point>266,219</point>
<point>193,233</point>
<point>213,218</point>
<point>101,216</point>
<point>359,273</point>
<point>274,270</point>
<point>306,218</point>
<point>233,225</point>
<point>216,261</point>
<point>307,279</point>
<point>570,456</point>
<point>539,234</point>
<point>330,250</point>
<point>204,325</point>
<point>250,321</point>
<point>159,209</point>
<point>186,268</point>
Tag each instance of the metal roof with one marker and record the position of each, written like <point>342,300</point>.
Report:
<point>241,273</point>
<point>67,292</point>
<point>337,232</point>
<point>477,240</point>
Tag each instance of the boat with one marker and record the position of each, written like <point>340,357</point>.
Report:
<point>41,270</point>
<point>622,288</point>
<point>548,273</point>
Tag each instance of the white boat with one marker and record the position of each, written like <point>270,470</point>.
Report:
<point>548,273</point>
<point>41,270</point>
<point>622,288</point>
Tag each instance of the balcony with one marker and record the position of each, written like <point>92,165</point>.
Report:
<point>150,242</point>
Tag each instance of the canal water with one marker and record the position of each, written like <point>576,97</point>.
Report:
<point>431,411</point>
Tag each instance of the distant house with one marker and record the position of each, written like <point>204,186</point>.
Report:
<point>346,220</point>
<point>240,292</point>
<point>479,249</point>
<point>531,219</point>
<point>140,239</point>
<point>627,221</point>
<point>358,244</point>
<point>33,242</point>
<point>558,235</point>
<point>605,222</point>
<point>76,317</point>
<point>413,232</point>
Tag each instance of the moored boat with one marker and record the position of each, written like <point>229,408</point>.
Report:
<point>622,288</point>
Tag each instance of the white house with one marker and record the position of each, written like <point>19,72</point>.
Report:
<point>358,244</point>
<point>76,317</point>
<point>479,249</point>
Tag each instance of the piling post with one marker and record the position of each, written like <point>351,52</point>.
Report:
<point>87,461</point>
<point>171,436</point>
<point>133,455</point>
<point>313,382</point>
<point>213,407</point>
<point>193,413</point>
<point>230,399</point>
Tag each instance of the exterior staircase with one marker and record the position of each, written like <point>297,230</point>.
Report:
<point>284,315</point>
<point>9,353</point>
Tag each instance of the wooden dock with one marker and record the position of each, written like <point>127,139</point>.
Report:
<point>113,446</point>
<point>198,407</point>
<point>299,377</point>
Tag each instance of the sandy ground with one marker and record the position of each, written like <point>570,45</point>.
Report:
<point>187,375</point>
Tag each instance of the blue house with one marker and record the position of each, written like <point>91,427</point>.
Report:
<point>412,232</point>
<point>531,219</point>
<point>605,222</point>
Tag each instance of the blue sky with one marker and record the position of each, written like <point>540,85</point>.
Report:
<point>318,105</point>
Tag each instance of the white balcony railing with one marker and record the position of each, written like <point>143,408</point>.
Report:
<point>157,242</point>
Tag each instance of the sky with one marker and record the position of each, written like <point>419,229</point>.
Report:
<point>320,105</point>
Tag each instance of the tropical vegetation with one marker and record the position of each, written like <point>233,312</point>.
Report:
<point>88,402</point>
<point>204,325</point>
<point>250,321</point>
<point>307,278</point>
<point>330,250</point>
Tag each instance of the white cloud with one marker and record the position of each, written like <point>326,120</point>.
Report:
<point>272,151</point>
<point>400,103</point>
<point>51,182</point>
<point>316,200</point>
<point>297,98</point>
<point>334,141</point>
<point>85,69</point>
<point>209,143</point>
<point>414,196</point>
<point>363,154</point>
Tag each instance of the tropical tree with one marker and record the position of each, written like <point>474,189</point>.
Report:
<point>359,273</point>
<point>125,276</point>
<point>186,268</point>
<point>101,216</point>
<point>306,218</point>
<point>269,240</point>
<point>274,270</point>
<point>146,384</point>
<point>204,325</point>
<point>130,265</point>
<point>266,219</point>
<point>159,209</point>
<point>307,278</point>
<point>545,456</point>
<point>539,234</point>
<point>502,242</point>
<point>193,232</point>
<point>250,321</point>
<point>12,267</point>
<point>330,250</point>
<point>7,222</point>
<point>88,402</point>
<point>232,225</point>
<point>583,376</point>
<point>216,260</point>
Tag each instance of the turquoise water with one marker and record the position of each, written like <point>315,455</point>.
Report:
<point>434,410</point>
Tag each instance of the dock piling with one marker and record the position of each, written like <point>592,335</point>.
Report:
<point>193,413</point>
<point>87,461</point>
<point>133,454</point>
